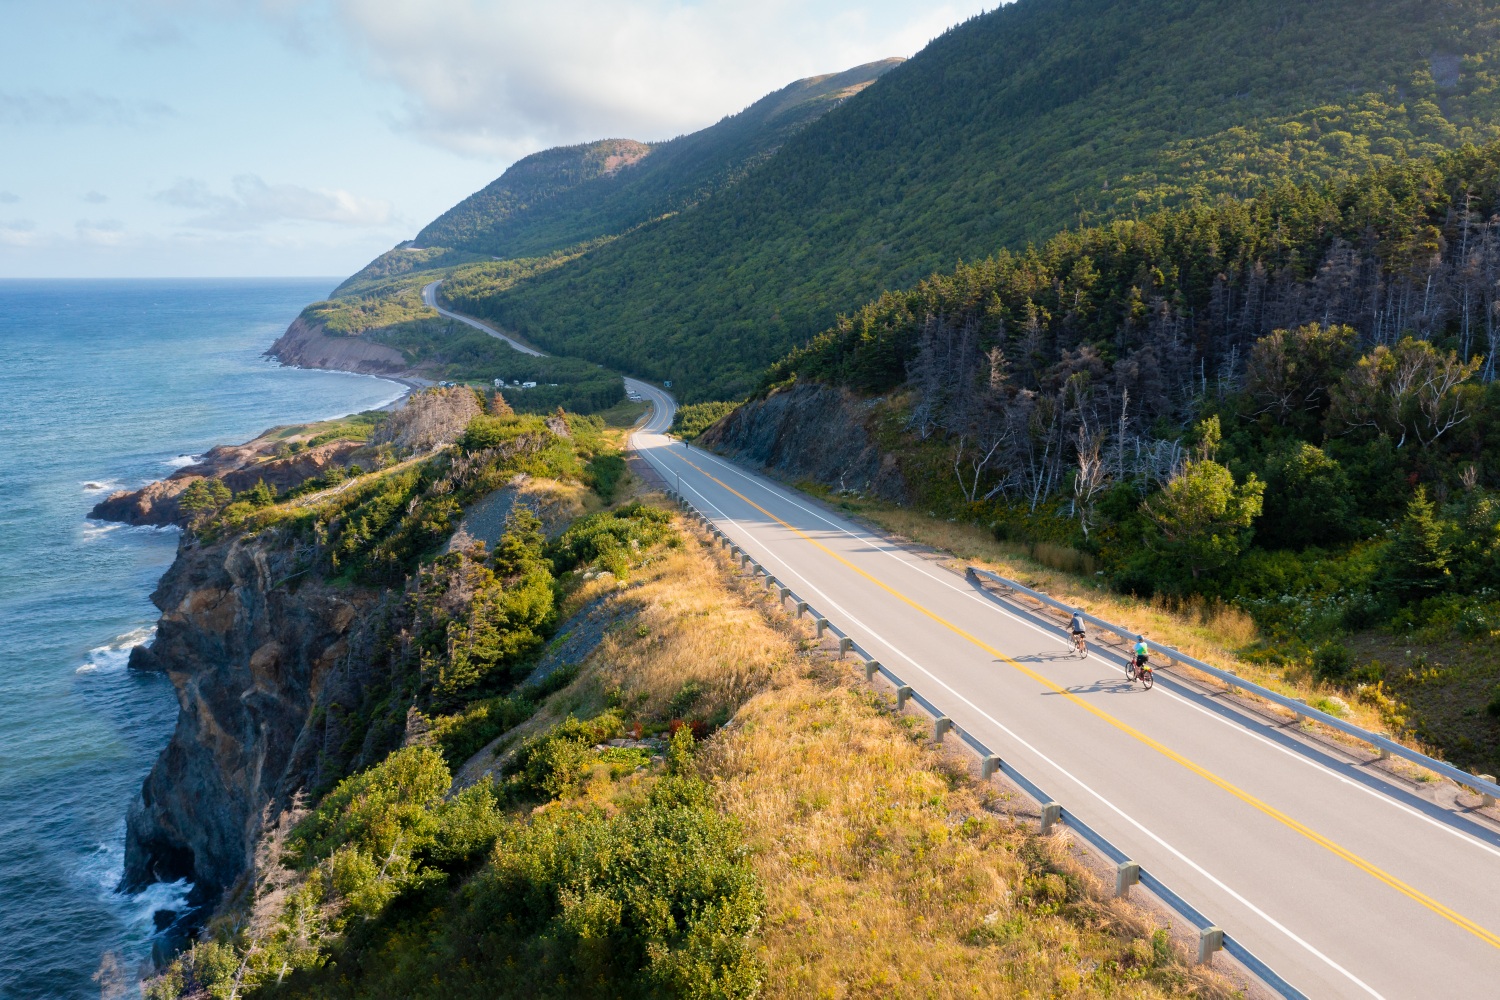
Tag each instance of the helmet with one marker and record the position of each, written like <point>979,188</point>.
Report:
<point>1140,638</point>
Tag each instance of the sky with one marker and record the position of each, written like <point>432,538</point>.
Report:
<point>229,138</point>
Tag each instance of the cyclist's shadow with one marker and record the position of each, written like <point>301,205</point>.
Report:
<point>1105,685</point>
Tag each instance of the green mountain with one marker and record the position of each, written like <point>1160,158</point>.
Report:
<point>1039,115</point>
<point>559,197</point>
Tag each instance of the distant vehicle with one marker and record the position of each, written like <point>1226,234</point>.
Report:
<point>528,385</point>
<point>668,383</point>
<point>445,385</point>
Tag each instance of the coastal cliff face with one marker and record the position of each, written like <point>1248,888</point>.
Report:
<point>811,432</point>
<point>256,660</point>
<point>239,466</point>
<point>307,345</point>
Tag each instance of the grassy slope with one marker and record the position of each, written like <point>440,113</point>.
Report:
<point>1038,115</point>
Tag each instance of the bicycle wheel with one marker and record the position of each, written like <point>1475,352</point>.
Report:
<point>1148,678</point>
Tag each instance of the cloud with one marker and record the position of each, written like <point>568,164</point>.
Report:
<point>254,203</point>
<point>505,77</point>
<point>104,232</point>
<point>6,198</point>
<point>84,108</point>
<point>95,198</point>
<point>17,232</point>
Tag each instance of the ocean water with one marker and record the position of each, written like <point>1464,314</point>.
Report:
<point>105,384</point>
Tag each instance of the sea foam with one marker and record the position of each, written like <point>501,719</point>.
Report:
<point>115,655</point>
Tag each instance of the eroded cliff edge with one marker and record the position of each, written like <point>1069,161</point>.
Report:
<point>812,432</point>
<point>266,659</point>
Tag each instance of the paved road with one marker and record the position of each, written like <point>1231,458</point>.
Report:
<point>1346,882</point>
<point>662,403</point>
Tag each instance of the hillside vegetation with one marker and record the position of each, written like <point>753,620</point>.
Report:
<point>1039,115</point>
<point>521,812</point>
<point>562,197</point>
<point>1291,403</point>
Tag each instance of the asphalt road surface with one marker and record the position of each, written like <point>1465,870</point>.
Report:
<point>1347,882</point>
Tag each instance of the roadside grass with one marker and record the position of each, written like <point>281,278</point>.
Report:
<point>886,869</point>
<point>625,413</point>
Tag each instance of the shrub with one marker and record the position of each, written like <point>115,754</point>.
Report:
<point>1331,660</point>
<point>608,538</point>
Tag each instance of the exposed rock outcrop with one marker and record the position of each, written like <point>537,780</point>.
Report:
<point>261,667</point>
<point>240,466</point>
<point>308,345</point>
<point>810,432</point>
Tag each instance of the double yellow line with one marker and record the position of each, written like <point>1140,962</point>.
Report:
<point>1487,936</point>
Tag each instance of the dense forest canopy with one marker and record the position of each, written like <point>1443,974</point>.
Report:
<point>1039,115</point>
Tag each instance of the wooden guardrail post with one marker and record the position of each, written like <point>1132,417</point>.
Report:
<point>1210,940</point>
<point>822,624</point>
<point>801,608</point>
<point>1051,816</point>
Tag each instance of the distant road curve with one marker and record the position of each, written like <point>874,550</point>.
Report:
<point>663,406</point>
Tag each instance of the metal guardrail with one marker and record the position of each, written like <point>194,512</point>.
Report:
<point>1210,937</point>
<point>1482,784</point>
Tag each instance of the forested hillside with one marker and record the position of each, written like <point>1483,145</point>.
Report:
<point>1036,116</point>
<point>559,197</point>
<point>1291,403</point>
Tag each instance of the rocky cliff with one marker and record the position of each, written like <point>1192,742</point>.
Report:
<point>263,656</point>
<point>811,432</point>
<point>239,466</point>
<point>308,345</point>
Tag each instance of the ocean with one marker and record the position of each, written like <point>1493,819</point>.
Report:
<point>103,385</point>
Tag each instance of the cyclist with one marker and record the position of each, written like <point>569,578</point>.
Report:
<point>1141,654</point>
<point>1078,634</point>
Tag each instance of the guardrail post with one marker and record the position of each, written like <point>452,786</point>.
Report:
<point>782,593</point>
<point>801,608</point>
<point>845,644</point>
<point>902,693</point>
<point>1485,798</point>
<point>872,667</point>
<point>940,727</point>
<point>822,626</point>
<point>988,766</point>
<point>1210,940</point>
<point>1127,874</point>
<point>1051,816</point>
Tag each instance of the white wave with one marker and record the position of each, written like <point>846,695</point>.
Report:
<point>93,530</point>
<point>180,461</point>
<point>101,485</point>
<point>103,869</point>
<point>115,655</point>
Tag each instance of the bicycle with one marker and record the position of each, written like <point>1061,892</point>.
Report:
<point>1141,671</point>
<point>1080,645</point>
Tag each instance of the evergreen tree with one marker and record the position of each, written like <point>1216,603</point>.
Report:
<point>1418,565</point>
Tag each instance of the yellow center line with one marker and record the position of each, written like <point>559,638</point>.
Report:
<point>1411,892</point>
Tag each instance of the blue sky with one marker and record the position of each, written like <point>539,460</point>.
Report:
<point>303,137</point>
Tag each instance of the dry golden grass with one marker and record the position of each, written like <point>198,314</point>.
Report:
<point>886,876</point>
<point>884,873</point>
